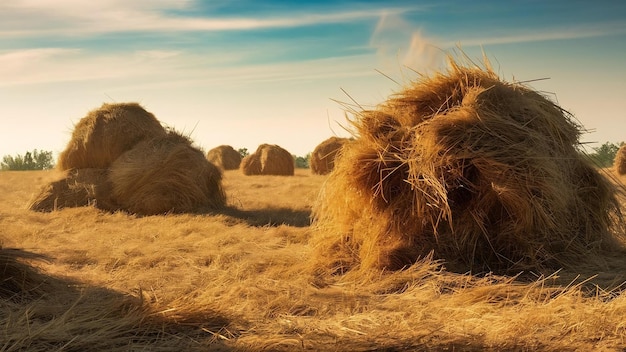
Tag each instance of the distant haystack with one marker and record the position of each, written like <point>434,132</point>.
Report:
<point>80,187</point>
<point>486,175</point>
<point>268,160</point>
<point>620,160</point>
<point>105,133</point>
<point>323,156</point>
<point>225,157</point>
<point>166,174</point>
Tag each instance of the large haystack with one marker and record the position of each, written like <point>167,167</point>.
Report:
<point>485,174</point>
<point>268,159</point>
<point>323,156</point>
<point>620,160</point>
<point>225,157</point>
<point>80,187</point>
<point>166,174</point>
<point>105,133</point>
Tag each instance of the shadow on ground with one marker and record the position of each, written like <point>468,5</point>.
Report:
<point>42,313</point>
<point>270,216</point>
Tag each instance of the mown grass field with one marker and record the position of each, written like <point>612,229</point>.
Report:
<point>240,280</point>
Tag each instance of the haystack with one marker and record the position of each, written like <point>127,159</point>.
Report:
<point>620,160</point>
<point>225,157</point>
<point>79,187</point>
<point>268,159</point>
<point>166,174</point>
<point>105,133</point>
<point>485,175</point>
<point>323,156</point>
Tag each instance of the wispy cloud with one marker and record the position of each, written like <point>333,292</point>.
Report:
<point>50,65</point>
<point>517,35</point>
<point>28,18</point>
<point>164,68</point>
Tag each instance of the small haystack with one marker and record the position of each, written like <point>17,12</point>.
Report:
<point>166,174</point>
<point>105,133</point>
<point>323,156</point>
<point>268,159</point>
<point>224,157</point>
<point>620,160</point>
<point>80,187</point>
<point>484,174</point>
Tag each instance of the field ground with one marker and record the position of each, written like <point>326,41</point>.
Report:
<point>239,281</point>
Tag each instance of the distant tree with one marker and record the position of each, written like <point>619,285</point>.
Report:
<point>604,155</point>
<point>243,152</point>
<point>302,162</point>
<point>35,160</point>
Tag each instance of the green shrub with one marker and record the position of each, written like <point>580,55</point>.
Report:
<point>35,160</point>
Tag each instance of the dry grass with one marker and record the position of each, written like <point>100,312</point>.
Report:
<point>234,281</point>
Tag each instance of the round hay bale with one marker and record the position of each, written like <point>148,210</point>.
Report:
<point>105,133</point>
<point>224,157</point>
<point>485,175</point>
<point>251,165</point>
<point>80,187</point>
<point>323,156</point>
<point>268,159</point>
<point>620,160</point>
<point>166,174</point>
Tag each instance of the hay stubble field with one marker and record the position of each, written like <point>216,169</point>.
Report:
<point>239,280</point>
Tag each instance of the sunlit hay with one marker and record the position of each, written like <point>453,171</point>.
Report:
<point>225,157</point>
<point>485,174</point>
<point>620,160</point>
<point>80,187</point>
<point>323,156</point>
<point>166,174</point>
<point>105,133</point>
<point>268,159</point>
<point>18,278</point>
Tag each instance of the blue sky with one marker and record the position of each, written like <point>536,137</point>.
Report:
<point>249,72</point>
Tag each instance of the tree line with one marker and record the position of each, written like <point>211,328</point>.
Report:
<point>604,155</point>
<point>33,160</point>
<point>601,156</point>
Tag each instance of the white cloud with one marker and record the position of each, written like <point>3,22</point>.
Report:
<point>161,68</point>
<point>80,18</point>
<point>579,31</point>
